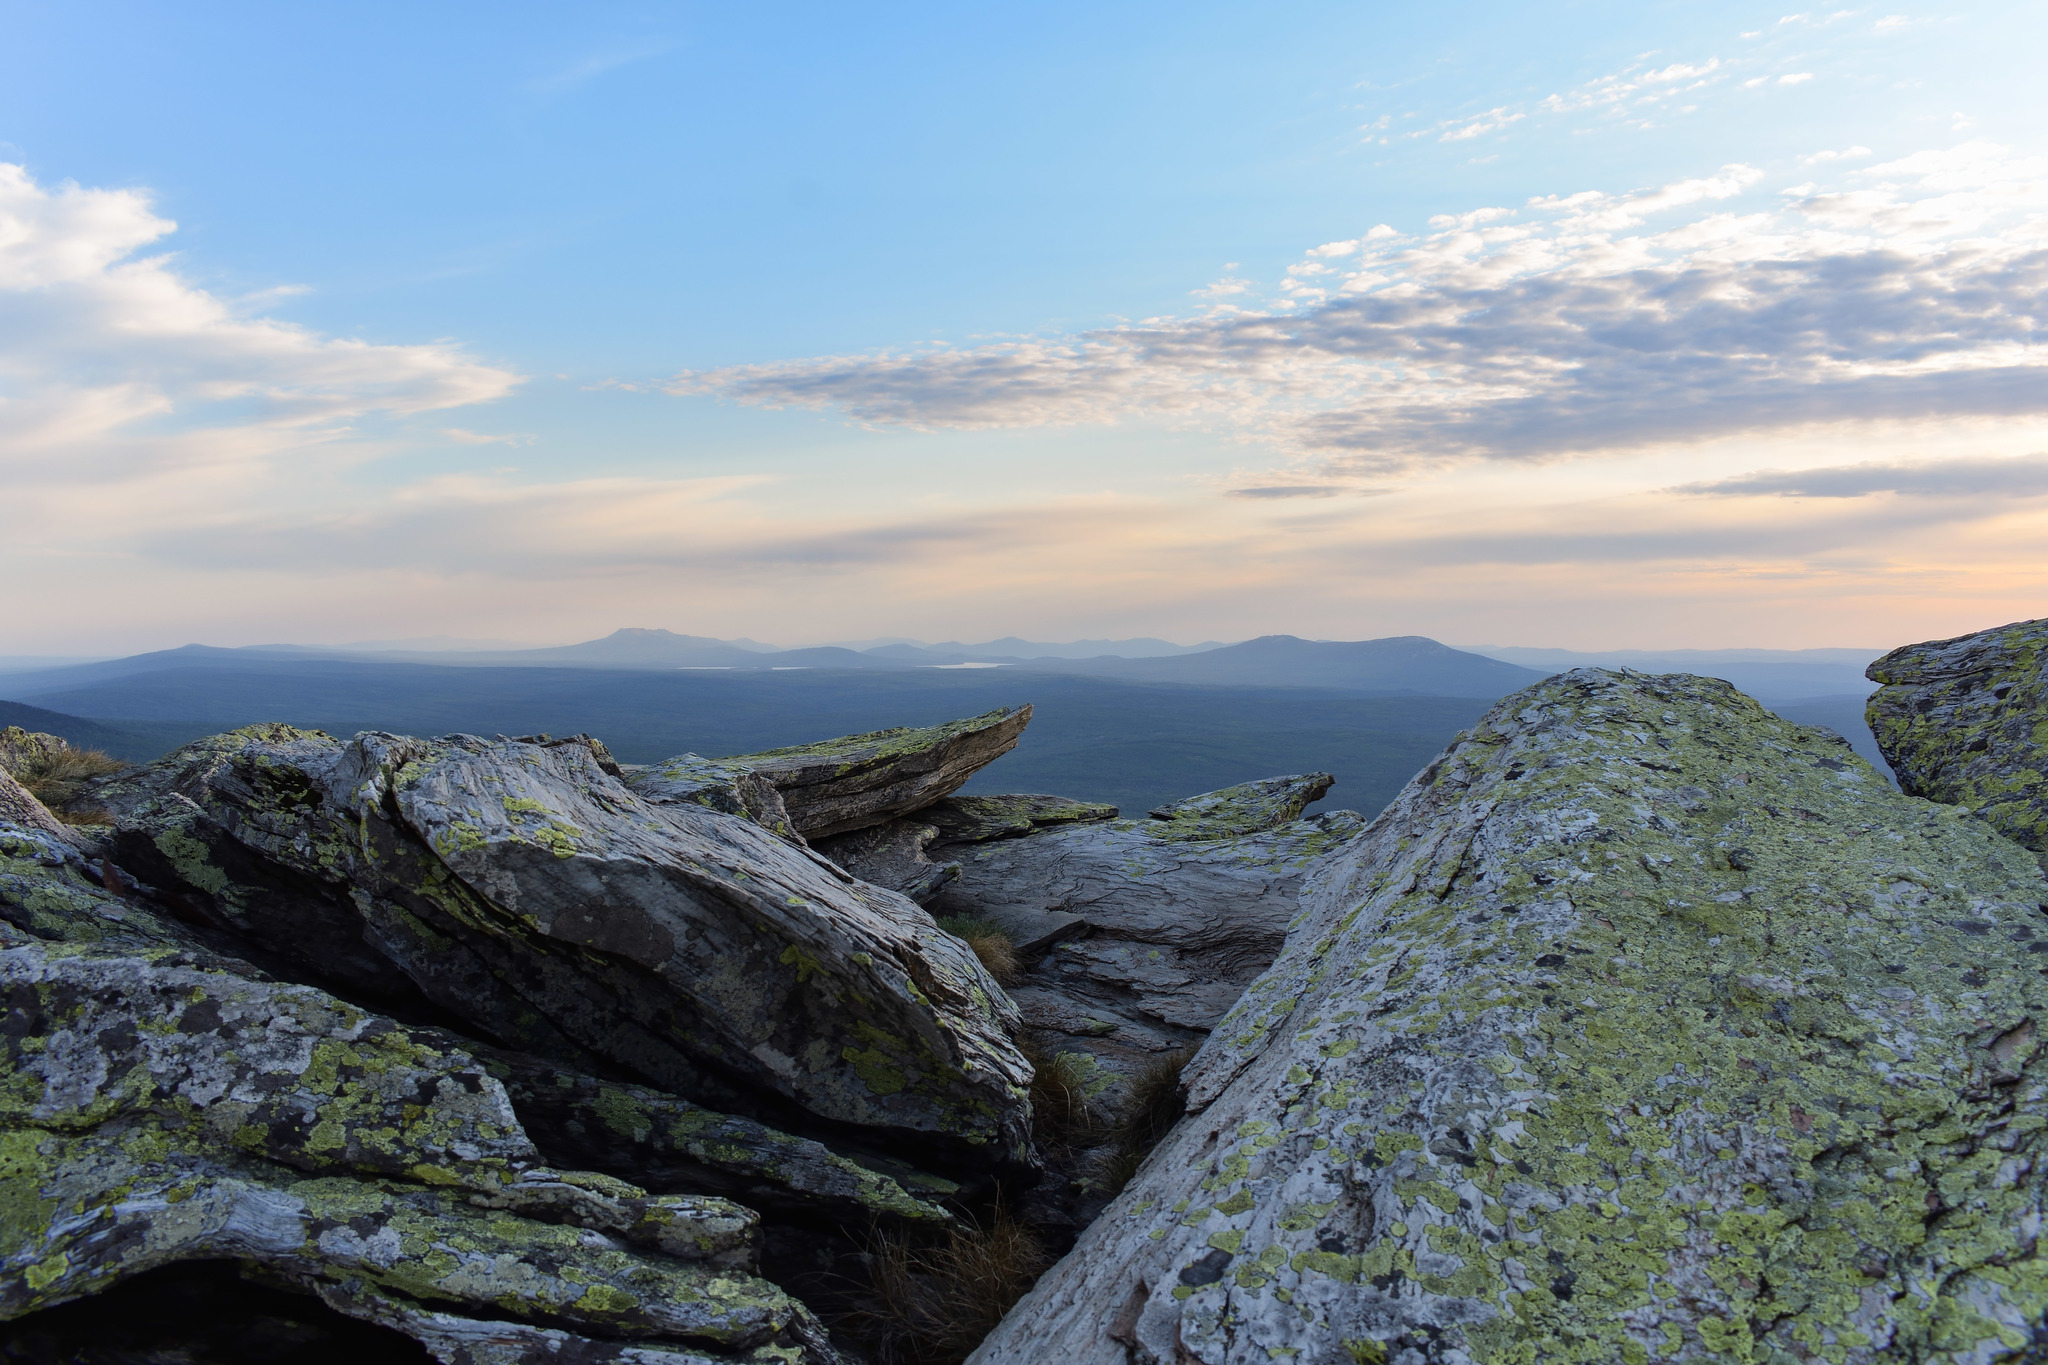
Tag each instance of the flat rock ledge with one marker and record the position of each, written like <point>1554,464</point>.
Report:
<point>1643,1025</point>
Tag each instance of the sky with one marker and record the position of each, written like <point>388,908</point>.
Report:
<point>1582,325</point>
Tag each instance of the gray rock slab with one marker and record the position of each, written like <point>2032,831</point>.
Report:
<point>1245,808</point>
<point>1966,721</point>
<point>1643,1025</point>
<point>893,855</point>
<point>855,781</point>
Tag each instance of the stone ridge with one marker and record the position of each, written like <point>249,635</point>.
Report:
<point>1246,808</point>
<point>1643,1025</point>
<point>1966,721</point>
<point>844,784</point>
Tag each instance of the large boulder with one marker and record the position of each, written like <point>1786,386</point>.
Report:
<point>844,784</point>
<point>1966,721</point>
<point>521,888</point>
<point>1643,1025</point>
<point>162,1104</point>
<point>1141,934</point>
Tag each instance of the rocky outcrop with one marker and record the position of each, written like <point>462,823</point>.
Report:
<point>165,1104</point>
<point>1966,721</point>
<point>720,784</point>
<point>19,808</point>
<point>1642,1026</point>
<point>1143,932</point>
<point>520,887</point>
<point>893,855</point>
<point>856,781</point>
<point>21,749</point>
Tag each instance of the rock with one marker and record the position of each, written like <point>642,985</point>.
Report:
<point>860,780</point>
<point>978,819</point>
<point>159,1109</point>
<point>1966,721</point>
<point>1642,1026</point>
<point>524,890</point>
<point>716,783</point>
<point>19,807</point>
<point>893,855</point>
<point>27,749</point>
<point>666,1143</point>
<point>1144,933</point>
<point>1244,809</point>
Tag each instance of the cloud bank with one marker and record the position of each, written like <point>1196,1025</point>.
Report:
<point>1574,324</point>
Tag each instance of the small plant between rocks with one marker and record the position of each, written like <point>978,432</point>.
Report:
<point>932,1303</point>
<point>990,942</point>
<point>55,774</point>
<point>1152,1105</point>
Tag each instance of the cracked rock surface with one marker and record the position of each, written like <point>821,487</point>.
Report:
<point>1966,721</point>
<point>1643,1025</point>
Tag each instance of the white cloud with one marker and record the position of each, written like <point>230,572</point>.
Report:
<point>1846,154</point>
<point>112,361</point>
<point>1795,78</point>
<point>1912,296</point>
<point>1492,121</point>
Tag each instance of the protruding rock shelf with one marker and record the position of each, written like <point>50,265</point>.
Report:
<point>1642,1026</point>
<point>1966,721</point>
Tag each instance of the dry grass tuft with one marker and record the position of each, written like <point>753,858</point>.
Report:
<point>933,1304</point>
<point>1062,1114</point>
<point>56,779</point>
<point>1152,1105</point>
<point>990,942</point>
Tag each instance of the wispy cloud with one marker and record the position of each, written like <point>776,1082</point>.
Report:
<point>1578,323</point>
<point>588,68</point>
<point>2020,477</point>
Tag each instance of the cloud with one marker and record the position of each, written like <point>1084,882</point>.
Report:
<point>2022,477</point>
<point>1598,322</point>
<point>1292,490</point>
<point>589,68</point>
<point>112,361</point>
<point>1493,120</point>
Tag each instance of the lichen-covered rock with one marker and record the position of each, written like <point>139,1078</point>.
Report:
<point>27,749</point>
<point>1145,935</point>
<point>665,1142</point>
<point>978,819</point>
<point>520,886</point>
<point>720,784</point>
<point>1965,721</point>
<point>19,807</point>
<point>1245,808</point>
<point>156,1109</point>
<point>1642,1026</point>
<point>893,855</point>
<point>855,781</point>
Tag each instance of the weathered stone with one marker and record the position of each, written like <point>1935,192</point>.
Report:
<point>893,855</point>
<point>154,1111</point>
<point>25,749</point>
<point>718,783</point>
<point>1244,809</point>
<point>1966,721</point>
<point>1642,1026</point>
<point>855,781</point>
<point>665,1142</point>
<point>521,887</point>
<point>1144,936</point>
<point>977,819</point>
<point>19,807</point>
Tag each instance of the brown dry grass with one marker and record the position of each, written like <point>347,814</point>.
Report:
<point>990,942</point>
<point>933,1304</point>
<point>1152,1105</point>
<point>56,779</point>
<point>1062,1114</point>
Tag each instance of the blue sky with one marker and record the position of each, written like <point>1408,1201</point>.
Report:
<point>810,322</point>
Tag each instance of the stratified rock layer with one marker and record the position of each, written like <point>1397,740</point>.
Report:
<point>1966,721</point>
<point>1142,932</point>
<point>1642,1026</point>
<point>521,887</point>
<point>855,781</point>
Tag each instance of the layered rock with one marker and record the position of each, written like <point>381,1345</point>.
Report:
<point>1142,932</point>
<point>520,887</point>
<point>1643,1025</point>
<point>1966,721</point>
<point>855,781</point>
<point>166,1104</point>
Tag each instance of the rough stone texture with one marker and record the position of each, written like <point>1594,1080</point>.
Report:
<point>18,806</point>
<point>1145,934</point>
<point>21,748</point>
<point>525,890</point>
<point>1642,1026</point>
<point>977,819</point>
<point>855,781</point>
<point>665,1142</point>
<point>893,855</point>
<point>157,1108</point>
<point>718,783</point>
<point>1966,721</point>
<point>1244,809</point>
